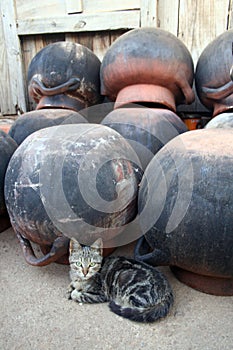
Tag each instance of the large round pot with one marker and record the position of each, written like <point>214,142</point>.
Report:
<point>70,181</point>
<point>185,210</point>
<point>64,75</point>
<point>223,120</point>
<point>212,77</point>
<point>32,121</point>
<point>147,65</point>
<point>7,148</point>
<point>147,130</point>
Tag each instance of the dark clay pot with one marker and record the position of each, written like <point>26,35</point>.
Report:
<point>147,65</point>
<point>70,180</point>
<point>212,77</point>
<point>224,120</point>
<point>64,75</point>
<point>32,121</point>
<point>146,130</point>
<point>185,210</point>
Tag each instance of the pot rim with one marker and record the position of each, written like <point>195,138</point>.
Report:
<point>61,101</point>
<point>149,93</point>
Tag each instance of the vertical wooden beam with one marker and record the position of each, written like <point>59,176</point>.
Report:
<point>200,21</point>
<point>30,45</point>
<point>12,89</point>
<point>168,15</point>
<point>100,44</point>
<point>230,15</point>
<point>149,13</point>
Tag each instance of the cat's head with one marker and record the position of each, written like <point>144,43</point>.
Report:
<point>85,261</point>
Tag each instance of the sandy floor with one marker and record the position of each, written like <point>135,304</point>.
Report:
<point>35,314</point>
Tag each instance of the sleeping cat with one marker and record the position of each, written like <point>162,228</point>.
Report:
<point>134,289</point>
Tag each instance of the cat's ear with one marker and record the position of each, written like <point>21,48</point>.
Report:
<point>74,245</point>
<point>98,244</point>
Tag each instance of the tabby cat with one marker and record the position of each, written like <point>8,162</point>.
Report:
<point>134,289</point>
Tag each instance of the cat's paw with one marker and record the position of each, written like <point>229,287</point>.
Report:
<point>76,295</point>
<point>68,292</point>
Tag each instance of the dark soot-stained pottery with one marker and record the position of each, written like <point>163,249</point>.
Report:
<point>70,180</point>
<point>64,75</point>
<point>148,65</point>
<point>212,77</point>
<point>223,120</point>
<point>146,130</point>
<point>32,121</point>
<point>185,210</point>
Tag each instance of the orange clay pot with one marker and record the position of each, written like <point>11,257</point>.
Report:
<point>147,65</point>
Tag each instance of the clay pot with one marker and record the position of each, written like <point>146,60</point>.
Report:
<point>70,180</point>
<point>185,210</point>
<point>7,148</point>
<point>224,120</point>
<point>212,77</point>
<point>146,130</point>
<point>147,65</point>
<point>193,123</point>
<point>64,75</point>
<point>5,124</point>
<point>32,121</point>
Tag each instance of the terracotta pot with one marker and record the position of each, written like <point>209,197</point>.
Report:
<point>212,77</point>
<point>193,123</point>
<point>146,130</point>
<point>64,75</point>
<point>7,148</point>
<point>224,120</point>
<point>70,180</point>
<point>147,65</point>
<point>5,124</point>
<point>32,121</point>
<point>185,210</point>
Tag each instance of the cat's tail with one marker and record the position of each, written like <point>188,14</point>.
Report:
<point>144,314</point>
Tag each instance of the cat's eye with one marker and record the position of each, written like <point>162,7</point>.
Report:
<point>92,264</point>
<point>78,264</point>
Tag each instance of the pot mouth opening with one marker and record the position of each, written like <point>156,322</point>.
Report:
<point>146,95</point>
<point>62,101</point>
<point>222,108</point>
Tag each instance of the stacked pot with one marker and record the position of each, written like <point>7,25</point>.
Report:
<point>186,194</point>
<point>138,173</point>
<point>67,180</point>
<point>213,80</point>
<point>63,78</point>
<point>147,73</point>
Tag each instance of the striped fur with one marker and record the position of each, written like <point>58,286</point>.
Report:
<point>134,289</point>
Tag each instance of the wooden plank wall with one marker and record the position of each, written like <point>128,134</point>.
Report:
<point>96,25</point>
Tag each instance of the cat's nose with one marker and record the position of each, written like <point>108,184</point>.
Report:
<point>85,271</point>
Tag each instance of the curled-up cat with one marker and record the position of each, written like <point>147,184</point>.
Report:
<point>134,289</point>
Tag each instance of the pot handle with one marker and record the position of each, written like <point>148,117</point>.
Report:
<point>220,92</point>
<point>156,257</point>
<point>58,249</point>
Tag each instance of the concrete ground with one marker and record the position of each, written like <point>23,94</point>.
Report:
<point>35,314</point>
